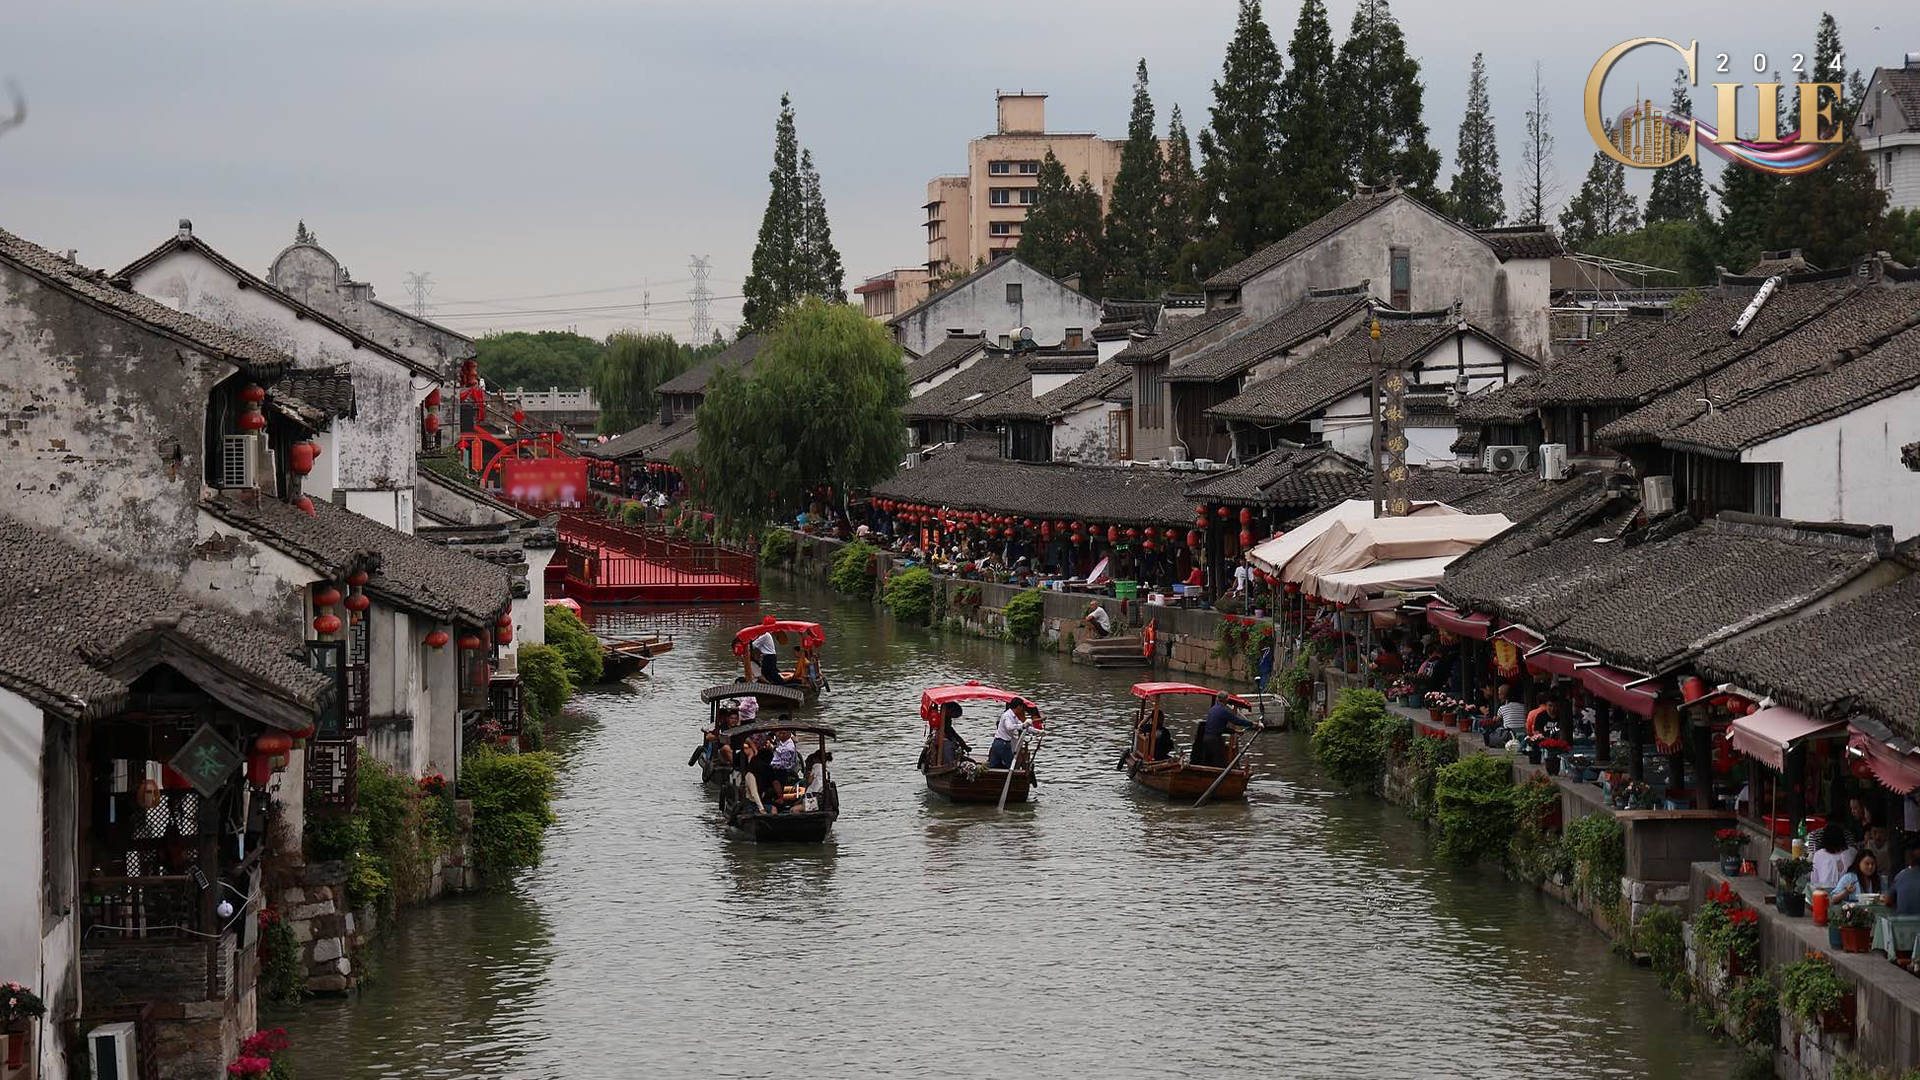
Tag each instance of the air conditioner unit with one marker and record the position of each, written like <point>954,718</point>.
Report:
<point>1182,465</point>
<point>1553,461</point>
<point>113,1051</point>
<point>1656,495</point>
<point>913,437</point>
<point>1504,458</point>
<point>1203,464</point>
<point>1158,463</point>
<point>1179,453</point>
<point>238,461</point>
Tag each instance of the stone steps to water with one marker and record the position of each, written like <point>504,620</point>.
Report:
<point>1111,652</point>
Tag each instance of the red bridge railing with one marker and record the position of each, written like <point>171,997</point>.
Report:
<point>611,555</point>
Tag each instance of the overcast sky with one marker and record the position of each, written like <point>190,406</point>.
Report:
<point>562,154</point>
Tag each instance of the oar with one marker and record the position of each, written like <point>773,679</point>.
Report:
<point>1007,784</point>
<point>1205,795</point>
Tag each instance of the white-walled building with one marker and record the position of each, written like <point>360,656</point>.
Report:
<point>996,301</point>
<point>1888,129</point>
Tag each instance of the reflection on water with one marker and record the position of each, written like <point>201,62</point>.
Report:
<point>1094,931</point>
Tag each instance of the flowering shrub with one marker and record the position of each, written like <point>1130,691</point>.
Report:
<point>1724,926</point>
<point>1557,745</point>
<point>1729,841</point>
<point>1854,916</point>
<point>19,1003</point>
<point>1400,689</point>
<point>259,1056</point>
<point>433,784</point>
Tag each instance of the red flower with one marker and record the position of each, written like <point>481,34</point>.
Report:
<point>248,1065</point>
<point>1743,916</point>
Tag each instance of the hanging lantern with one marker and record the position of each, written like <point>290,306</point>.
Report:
<point>1133,534</point>
<point>305,504</point>
<point>470,641</point>
<point>1200,523</point>
<point>504,634</point>
<point>357,578</point>
<point>433,398</point>
<point>1200,508</point>
<point>1146,546</point>
<point>1246,538</point>
<point>259,770</point>
<point>253,420</point>
<point>519,417</point>
<point>1246,517</point>
<point>437,639</point>
<point>505,620</point>
<point>1195,537</point>
<point>326,625</point>
<point>273,743</point>
<point>326,597</point>
<point>432,422</point>
<point>1113,534</point>
<point>300,460</point>
<point>253,393</point>
<point>1173,536</point>
<point>1075,539</point>
<point>146,794</point>
<point>1693,688</point>
<point>301,737</point>
<point>358,602</point>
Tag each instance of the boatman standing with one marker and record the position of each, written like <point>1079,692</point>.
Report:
<point>1006,735</point>
<point>766,652</point>
<point>1213,737</point>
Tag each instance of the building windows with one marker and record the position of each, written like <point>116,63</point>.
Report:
<point>1120,435</point>
<point>1029,168</point>
<point>1149,378</point>
<point>1766,488</point>
<point>1000,168</point>
<point>1000,228</point>
<point>1886,170</point>
<point>1027,196</point>
<point>1401,278</point>
<point>1013,292</point>
<point>1075,337</point>
<point>1000,196</point>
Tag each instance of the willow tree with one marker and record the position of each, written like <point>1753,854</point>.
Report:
<point>627,374</point>
<point>820,410</point>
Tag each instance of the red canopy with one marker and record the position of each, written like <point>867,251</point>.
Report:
<point>1767,735</point>
<point>811,634</point>
<point>1899,772</point>
<point>1619,687</point>
<point>1464,624</point>
<point>935,697</point>
<point>1155,689</point>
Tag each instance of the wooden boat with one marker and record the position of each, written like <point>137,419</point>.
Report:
<point>1168,773</point>
<point>725,699</point>
<point>794,813</point>
<point>968,781</point>
<point>626,656</point>
<point>806,673</point>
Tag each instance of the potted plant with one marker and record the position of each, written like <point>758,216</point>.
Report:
<point>1812,991</point>
<point>1582,768</point>
<point>19,1008</point>
<point>1534,751</point>
<point>1730,842</point>
<point>1725,927</point>
<point>1788,875</point>
<point>1856,927</point>
<point>1554,749</point>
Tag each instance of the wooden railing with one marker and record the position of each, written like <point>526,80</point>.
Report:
<point>610,554</point>
<point>130,909</point>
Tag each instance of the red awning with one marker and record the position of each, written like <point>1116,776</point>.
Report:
<point>1464,624</point>
<point>1767,735</point>
<point>1520,638</point>
<point>1899,772</point>
<point>1555,661</point>
<point>1618,687</point>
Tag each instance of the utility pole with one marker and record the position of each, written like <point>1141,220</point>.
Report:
<point>646,308</point>
<point>419,286</point>
<point>701,296</point>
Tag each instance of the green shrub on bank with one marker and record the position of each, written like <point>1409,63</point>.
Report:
<point>544,681</point>
<point>1473,798</point>
<point>633,513</point>
<point>853,570</point>
<point>1350,742</point>
<point>777,548</point>
<point>1810,988</point>
<point>283,971</point>
<point>512,798</point>
<point>1658,934</point>
<point>576,644</point>
<point>1024,614</point>
<point>1597,845</point>
<point>910,595</point>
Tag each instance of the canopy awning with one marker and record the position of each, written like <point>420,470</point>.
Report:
<point>811,634</point>
<point>1467,624</point>
<point>1630,690</point>
<point>1157,689</point>
<point>1275,552</point>
<point>1767,735</point>
<point>1555,662</point>
<point>1351,543</point>
<point>1900,773</point>
<point>935,697</point>
<point>1397,575</point>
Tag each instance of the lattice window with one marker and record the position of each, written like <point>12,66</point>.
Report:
<point>236,461</point>
<point>330,767</point>
<point>329,659</point>
<point>503,703</point>
<point>359,707</point>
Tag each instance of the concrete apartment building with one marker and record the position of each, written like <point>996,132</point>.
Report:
<point>885,295</point>
<point>977,215</point>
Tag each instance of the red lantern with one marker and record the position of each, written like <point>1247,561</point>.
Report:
<point>1133,534</point>
<point>305,504</point>
<point>1075,538</point>
<point>253,420</point>
<point>1223,513</point>
<point>253,393</point>
<point>433,398</point>
<point>357,578</point>
<point>1200,523</point>
<point>172,780</point>
<point>327,624</point>
<point>437,639</point>
<point>1200,508</point>
<point>259,770</point>
<point>1246,538</point>
<point>1113,534</point>
<point>1195,537</point>
<point>1147,546</point>
<point>1173,536</point>
<point>1246,516</point>
<point>433,422</point>
<point>358,602</point>
<point>1693,688</point>
<point>326,597</point>
<point>504,634</point>
<point>470,641</point>
<point>300,460</point>
<point>504,620</point>
<point>273,743</point>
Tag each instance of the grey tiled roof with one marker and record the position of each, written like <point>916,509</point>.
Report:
<point>991,376</point>
<point>1910,456</point>
<point>1100,382</point>
<point>1319,380</point>
<point>316,395</point>
<point>1161,345</point>
<point>1053,491</point>
<point>649,442</point>
<point>1904,83</point>
<point>953,350</point>
<point>1861,655</point>
<point>92,286</point>
<point>67,614</point>
<point>1287,476</point>
<point>733,358</point>
<point>1522,242</point>
<point>474,492</point>
<point>1232,356</point>
<point>1300,240</point>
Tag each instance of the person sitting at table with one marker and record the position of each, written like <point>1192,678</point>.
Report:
<point>1906,885</point>
<point>1512,714</point>
<point>1542,715</point>
<point>1862,879</point>
<point>1859,821</point>
<point>1832,860</point>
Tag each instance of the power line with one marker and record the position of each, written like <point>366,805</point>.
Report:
<point>575,310</point>
<point>700,295</point>
<point>419,286</point>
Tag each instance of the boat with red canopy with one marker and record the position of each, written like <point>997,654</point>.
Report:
<point>958,776</point>
<point>1154,761</point>
<point>808,639</point>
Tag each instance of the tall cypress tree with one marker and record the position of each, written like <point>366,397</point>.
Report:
<point>1478,199</point>
<point>1135,213</point>
<point>1601,207</point>
<point>1310,153</point>
<point>1679,190</point>
<point>1061,235</point>
<point>819,265</point>
<point>773,283</point>
<point>1835,213</point>
<point>1245,192</point>
<point>1379,85</point>
<point>1830,66</point>
<point>1178,226</point>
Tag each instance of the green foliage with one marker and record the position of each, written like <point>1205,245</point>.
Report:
<point>332,836</point>
<point>1835,213</point>
<point>1132,246</point>
<point>1475,804</point>
<point>1310,154</point>
<point>1903,235</point>
<point>512,797</point>
<point>777,547</point>
<point>1810,987</point>
<point>283,975</point>
<point>1602,207</point>
<point>1428,757</point>
<point>1244,191</point>
<point>1658,935</point>
<point>1179,222</point>
<point>822,408</point>
<point>1753,1006</point>
<point>576,645</point>
<point>1684,246</point>
<point>1063,232</point>
<point>1349,741</point>
<point>1724,928</point>
<point>910,595</point>
<point>853,569</point>
<point>1746,205</point>
<point>794,255</point>
<point>1383,122</point>
<point>629,369</point>
<point>1024,614</point>
<point>544,679</point>
<point>1679,190</point>
<point>1597,845</point>
<point>1536,185</point>
<point>1297,684</point>
<point>537,360</point>
<point>368,885</point>
<point>633,513</point>
<point>1478,199</point>
<point>1537,853</point>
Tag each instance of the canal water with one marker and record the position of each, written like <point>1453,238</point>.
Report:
<point>1093,932</point>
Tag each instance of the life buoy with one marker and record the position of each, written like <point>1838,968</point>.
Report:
<point>1147,638</point>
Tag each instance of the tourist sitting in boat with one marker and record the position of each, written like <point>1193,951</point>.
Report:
<point>786,755</point>
<point>1096,620</point>
<point>1862,880</point>
<point>1006,735</point>
<point>1213,739</point>
<point>953,748</point>
<point>817,763</point>
<point>756,770</point>
<point>1162,738</point>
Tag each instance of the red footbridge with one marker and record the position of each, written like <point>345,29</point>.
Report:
<point>603,563</point>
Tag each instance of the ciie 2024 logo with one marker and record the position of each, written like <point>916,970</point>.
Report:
<point>1647,138</point>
